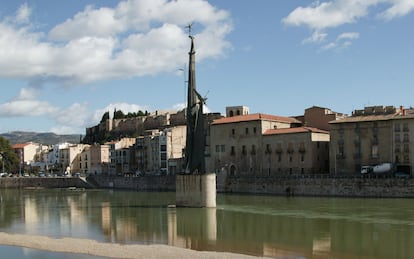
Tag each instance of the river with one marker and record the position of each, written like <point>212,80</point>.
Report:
<point>280,227</point>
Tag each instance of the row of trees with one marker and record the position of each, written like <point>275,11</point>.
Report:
<point>8,158</point>
<point>120,115</point>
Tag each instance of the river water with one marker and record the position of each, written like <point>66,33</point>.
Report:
<point>280,227</point>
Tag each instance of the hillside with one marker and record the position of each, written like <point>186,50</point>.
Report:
<point>46,138</point>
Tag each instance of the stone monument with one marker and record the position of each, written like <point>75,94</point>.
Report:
<point>195,187</point>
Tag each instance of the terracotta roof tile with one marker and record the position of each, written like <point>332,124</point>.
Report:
<point>254,117</point>
<point>372,118</point>
<point>20,145</point>
<point>294,130</point>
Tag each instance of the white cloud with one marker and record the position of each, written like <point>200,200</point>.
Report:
<point>348,35</point>
<point>26,104</point>
<point>23,14</point>
<point>137,37</point>
<point>322,16</point>
<point>398,9</point>
<point>316,37</point>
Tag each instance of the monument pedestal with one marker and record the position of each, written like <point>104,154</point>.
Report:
<point>195,190</point>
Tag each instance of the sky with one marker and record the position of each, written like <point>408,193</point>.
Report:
<point>64,63</point>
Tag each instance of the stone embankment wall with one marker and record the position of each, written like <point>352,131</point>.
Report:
<point>42,182</point>
<point>142,183</point>
<point>318,186</point>
<point>299,186</point>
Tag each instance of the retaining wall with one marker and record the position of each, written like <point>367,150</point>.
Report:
<point>142,183</point>
<point>42,182</point>
<point>318,186</point>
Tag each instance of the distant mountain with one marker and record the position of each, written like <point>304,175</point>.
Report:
<point>47,138</point>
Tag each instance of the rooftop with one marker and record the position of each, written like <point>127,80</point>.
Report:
<point>294,130</point>
<point>254,117</point>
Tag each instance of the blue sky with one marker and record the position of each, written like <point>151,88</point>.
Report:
<point>64,63</point>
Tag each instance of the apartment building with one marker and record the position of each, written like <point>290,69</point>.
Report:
<point>120,156</point>
<point>371,136</point>
<point>160,151</point>
<point>27,152</point>
<point>70,158</point>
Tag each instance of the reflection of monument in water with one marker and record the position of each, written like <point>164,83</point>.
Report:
<point>196,187</point>
<point>194,230</point>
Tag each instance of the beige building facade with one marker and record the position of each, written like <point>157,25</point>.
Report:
<point>372,136</point>
<point>261,144</point>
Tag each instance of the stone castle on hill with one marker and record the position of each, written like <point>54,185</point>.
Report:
<point>112,129</point>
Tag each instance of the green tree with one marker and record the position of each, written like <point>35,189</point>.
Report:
<point>105,117</point>
<point>119,114</point>
<point>8,157</point>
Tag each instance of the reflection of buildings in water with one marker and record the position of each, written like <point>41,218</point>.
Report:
<point>76,214</point>
<point>322,246</point>
<point>31,217</point>
<point>106,217</point>
<point>193,230</point>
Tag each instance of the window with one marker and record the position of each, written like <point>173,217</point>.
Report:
<point>223,148</point>
<point>397,127</point>
<point>164,148</point>
<point>217,148</point>
<point>253,150</point>
<point>268,149</point>
<point>247,131</point>
<point>406,148</point>
<point>233,131</point>
<point>397,148</point>
<point>279,157</point>
<point>397,138</point>
<point>233,151</point>
<point>244,150</point>
<point>406,138</point>
<point>374,151</point>
<point>254,130</point>
<point>405,127</point>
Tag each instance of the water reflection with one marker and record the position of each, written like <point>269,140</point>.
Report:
<point>256,225</point>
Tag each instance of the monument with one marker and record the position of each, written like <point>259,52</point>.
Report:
<point>195,187</point>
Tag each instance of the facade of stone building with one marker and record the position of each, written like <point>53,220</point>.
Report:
<point>96,159</point>
<point>300,150</point>
<point>319,117</point>
<point>372,136</point>
<point>236,143</point>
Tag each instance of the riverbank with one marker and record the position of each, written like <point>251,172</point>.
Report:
<point>303,185</point>
<point>111,250</point>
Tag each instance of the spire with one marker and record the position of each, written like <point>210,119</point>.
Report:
<point>195,142</point>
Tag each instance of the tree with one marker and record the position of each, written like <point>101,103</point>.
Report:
<point>119,114</point>
<point>8,156</point>
<point>105,117</point>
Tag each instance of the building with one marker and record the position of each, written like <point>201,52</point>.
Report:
<point>70,158</point>
<point>372,136</point>
<point>319,117</point>
<point>160,152</point>
<point>120,156</point>
<point>99,159</point>
<point>236,143</point>
<point>300,150</point>
<point>27,152</point>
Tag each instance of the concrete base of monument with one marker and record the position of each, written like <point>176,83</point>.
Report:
<point>195,190</point>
